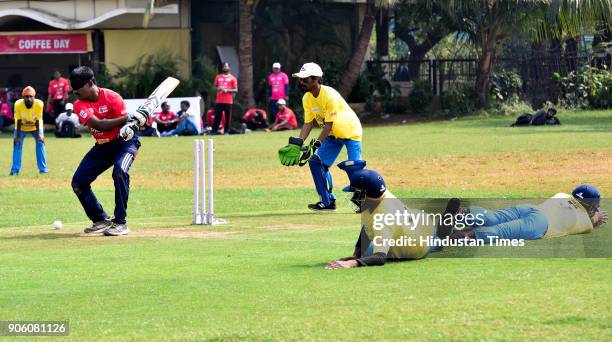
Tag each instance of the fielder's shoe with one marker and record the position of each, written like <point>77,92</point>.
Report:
<point>117,229</point>
<point>319,206</point>
<point>99,226</point>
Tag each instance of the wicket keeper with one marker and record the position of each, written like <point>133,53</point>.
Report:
<point>558,216</point>
<point>103,112</point>
<point>340,127</point>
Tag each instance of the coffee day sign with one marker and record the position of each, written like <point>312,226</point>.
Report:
<point>26,43</point>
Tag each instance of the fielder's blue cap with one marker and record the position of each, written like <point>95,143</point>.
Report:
<point>588,193</point>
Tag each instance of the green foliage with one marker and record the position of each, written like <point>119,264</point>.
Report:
<point>505,85</point>
<point>420,97</point>
<point>587,88</point>
<point>459,100</point>
<point>141,79</point>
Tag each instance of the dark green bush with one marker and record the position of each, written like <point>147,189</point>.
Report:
<point>505,85</point>
<point>459,100</point>
<point>587,88</point>
<point>420,97</point>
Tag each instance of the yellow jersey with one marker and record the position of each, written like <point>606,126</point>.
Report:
<point>329,106</point>
<point>397,240</point>
<point>565,215</point>
<point>29,116</point>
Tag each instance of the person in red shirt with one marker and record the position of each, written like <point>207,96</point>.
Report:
<point>103,112</point>
<point>285,118</point>
<point>166,119</point>
<point>254,119</point>
<point>227,86</point>
<point>59,88</point>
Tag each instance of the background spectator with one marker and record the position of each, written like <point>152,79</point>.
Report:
<point>542,117</point>
<point>210,119</point>
<point>166,119</point>
<point>285,118</point>
<point>278,88</point>
<point>226,85</point>
<point>254,119</point>
<point>149,129</point>
<point>59,88</point>
<point>188,122</point>
<point>6,114</point>
<point>67,123</point>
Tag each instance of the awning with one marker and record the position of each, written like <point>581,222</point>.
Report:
<point>45,42</point>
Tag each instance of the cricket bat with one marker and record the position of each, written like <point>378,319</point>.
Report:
<point>160,94</point>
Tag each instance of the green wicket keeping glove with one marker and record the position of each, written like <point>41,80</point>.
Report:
<point>309,151</point>
<point>289,154</point>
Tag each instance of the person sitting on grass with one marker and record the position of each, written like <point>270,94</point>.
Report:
<point>285,118</point>
<point>166,119</point>
<point>67,123</point>
<point>560,215</point>
<point>188,122</point>
<point>254,119</point>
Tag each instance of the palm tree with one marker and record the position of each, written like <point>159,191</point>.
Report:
<point>245,52</point>
<point>490,24</point>
<point>350,76</point>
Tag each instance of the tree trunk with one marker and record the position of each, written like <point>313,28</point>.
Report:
<point>245,55</point>
<point>483,79</point>
<point>350,76</point>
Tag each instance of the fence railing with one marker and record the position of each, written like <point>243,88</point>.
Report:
<point>536,72</point>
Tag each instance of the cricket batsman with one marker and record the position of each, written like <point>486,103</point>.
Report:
<point>560,215</point>
<point>103,112</point>
<point>340,127</point>
<point>374,246</point>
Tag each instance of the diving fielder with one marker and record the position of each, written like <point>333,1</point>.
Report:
<point>340,127</point>
<point>373,246</point>
<point>560,215</point>
<point>103,112</point>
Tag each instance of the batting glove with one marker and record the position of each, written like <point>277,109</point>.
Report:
<point>289,154</point>
<point>128,131</point>
<point>141,115</point>
<point>309,151</point>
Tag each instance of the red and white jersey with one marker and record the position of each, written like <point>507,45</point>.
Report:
<point>110,105</point>
<point>286,114</point>
<point>59,89</point>
<point>225,82</point>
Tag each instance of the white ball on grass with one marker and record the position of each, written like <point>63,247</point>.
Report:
<point>57,224</point>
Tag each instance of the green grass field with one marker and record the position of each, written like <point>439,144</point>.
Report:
<point>261,277</point>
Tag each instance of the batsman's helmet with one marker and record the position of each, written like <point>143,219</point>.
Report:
<point>588,195</point>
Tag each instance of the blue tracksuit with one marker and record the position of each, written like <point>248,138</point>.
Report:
<point>117,153</point>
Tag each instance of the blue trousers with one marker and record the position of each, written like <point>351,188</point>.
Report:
<point>117,153</point>
<point>180,130</point>
<point>41,158</point>
<point>324,158</point>
<point>518,222</point>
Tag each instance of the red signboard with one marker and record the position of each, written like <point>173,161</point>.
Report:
<point>22,43</point>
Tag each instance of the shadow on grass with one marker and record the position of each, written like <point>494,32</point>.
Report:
<point>43,236</point>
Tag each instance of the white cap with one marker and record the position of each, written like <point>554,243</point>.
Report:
<point>309,69</point>
<point>281,102</point>
<point>276,65</point>
<point>69,106</point>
